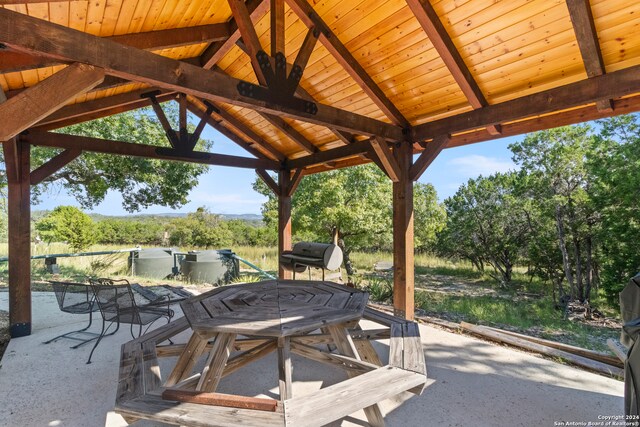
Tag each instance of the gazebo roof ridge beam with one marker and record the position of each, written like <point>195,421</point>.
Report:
<point>585,31</point>
<point>442,42</point>
<point>32,34</point>
<point>339,51</point>
<point>608,86</point>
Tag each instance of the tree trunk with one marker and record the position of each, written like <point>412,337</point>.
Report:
<point>588,268</point>
<point>345,252</point>
<point>563,249</point>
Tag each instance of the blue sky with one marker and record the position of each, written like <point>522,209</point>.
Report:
<point>228,190</point>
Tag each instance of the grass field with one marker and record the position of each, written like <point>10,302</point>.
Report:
<point>445,289</point>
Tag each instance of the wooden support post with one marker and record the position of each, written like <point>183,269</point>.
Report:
<point>403,273</point>
<point>17,157</point>
<point>284,220</point>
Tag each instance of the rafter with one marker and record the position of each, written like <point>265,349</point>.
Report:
<point>291,133</point>
<point>431,24</point>
<point>11,61</point>
<point>215,51</point>
<point>428,156</point>
<point>53,165</point>
<point>250,38</point>
<point>585,30</point>
<point>333,44</point>
<point>97,145</point>
<point>21,31</point>
<point>277,27</point>
<point>37,102</point>
<point>248,132</point>
<point>230,134</point>
<point>607,86</point>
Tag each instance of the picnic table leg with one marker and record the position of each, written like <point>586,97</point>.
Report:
<point>217,360</point>
<point>190,355</point>
<point>345,345</point>
<point>284,368</point>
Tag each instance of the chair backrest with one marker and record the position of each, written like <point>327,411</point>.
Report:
<point>76,298</point>
<point>115,297</point>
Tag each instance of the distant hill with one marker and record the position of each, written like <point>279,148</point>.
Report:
<point>253,218</point>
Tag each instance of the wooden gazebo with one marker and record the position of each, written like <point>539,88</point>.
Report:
<point>305,86</point>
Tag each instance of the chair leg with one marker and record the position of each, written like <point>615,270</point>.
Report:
<point>97,342</point>
<point>68,335</point>
<point>102,335</point>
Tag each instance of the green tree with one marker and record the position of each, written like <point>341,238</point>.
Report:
<point>430,217</point>
<point>201,229</point>
<point>615,191</point>
<point>142,182</point>
<point>353,206</point>
<point>486,224</point>
<point>555,163</point>
<point>67,224</point>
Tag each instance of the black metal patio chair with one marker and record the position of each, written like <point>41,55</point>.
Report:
<point>117,305</point>
<point>75,298</point>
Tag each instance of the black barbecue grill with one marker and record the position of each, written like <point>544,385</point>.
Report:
<point>324,256</point>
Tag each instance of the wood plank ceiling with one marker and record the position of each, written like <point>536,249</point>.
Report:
<point>403,62</point>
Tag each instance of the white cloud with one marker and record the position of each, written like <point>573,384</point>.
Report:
<point>474,165</point>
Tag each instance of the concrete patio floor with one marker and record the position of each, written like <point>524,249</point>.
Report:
<point>477,383</point>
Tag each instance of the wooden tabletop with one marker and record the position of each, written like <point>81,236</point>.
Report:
<point>275,308</point>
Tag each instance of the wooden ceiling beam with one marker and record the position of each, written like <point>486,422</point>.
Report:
<point>217,50</point>
<point>277,27</point>
<point>585,30</point>
<point>308,45</point>
<point>608,86</point>
<point>54,165</point>
<point>250,38</point>
<point>198,112</point>
<point>428,156</point>
<point>271,183</point>
<point>101,107</point>
<point>22,111</point>
<point>247,131</point>
<point>251,46</point>
<point>294,182</point>
<point>386,159</point>
<point>320,157</point>
<point>284,127</point>
<point>27,33</point>
<point>565,118</point>
<point>333,44</point>
<point>432,26</point>
<point>12,61</point>
<point>97,145</point>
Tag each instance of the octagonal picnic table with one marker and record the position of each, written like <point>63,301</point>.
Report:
<point>258,318</point>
